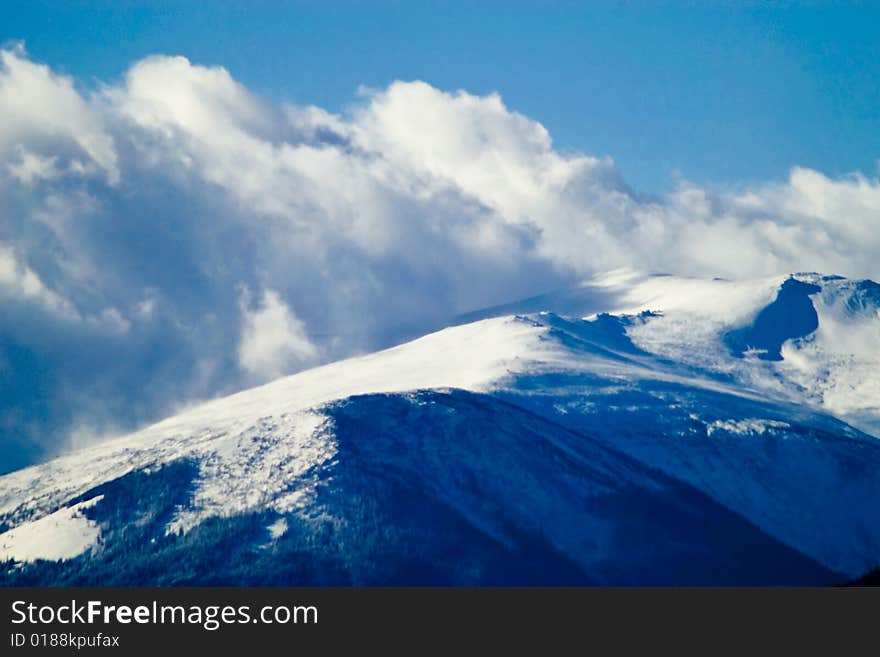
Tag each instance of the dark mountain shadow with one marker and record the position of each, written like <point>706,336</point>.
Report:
<point>789,317</point>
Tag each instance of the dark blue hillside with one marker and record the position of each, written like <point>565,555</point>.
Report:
<point>806,478</point>
<point>548,495</point>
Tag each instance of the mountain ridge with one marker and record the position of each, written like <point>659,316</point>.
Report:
<point>655,378</point>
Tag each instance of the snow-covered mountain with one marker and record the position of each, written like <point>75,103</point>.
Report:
<point>631,430</point>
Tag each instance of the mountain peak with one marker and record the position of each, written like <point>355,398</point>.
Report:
<point>713,383</point>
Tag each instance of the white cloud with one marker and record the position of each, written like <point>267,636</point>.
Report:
<point>30,167</point>
<point>273,340</point>
<point>144,205</point>
<point>18,282</point>
<point>44,109</point>
<point>474,144</point>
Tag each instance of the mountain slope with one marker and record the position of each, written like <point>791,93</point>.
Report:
<point>630,430</point>
<point>453,488</point>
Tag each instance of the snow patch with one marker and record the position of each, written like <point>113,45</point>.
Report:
<point>270,465</point>
<point>278,528</point>
<point>745,427</point>
<point>65,534</point>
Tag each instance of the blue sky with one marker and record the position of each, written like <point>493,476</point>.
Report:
<point>719,92</point>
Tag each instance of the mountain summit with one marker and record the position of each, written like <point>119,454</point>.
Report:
<point>630,430</point>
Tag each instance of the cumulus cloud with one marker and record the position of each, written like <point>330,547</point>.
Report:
<point>46,111</point>
<point>134,214</point>
<point>273,340</point>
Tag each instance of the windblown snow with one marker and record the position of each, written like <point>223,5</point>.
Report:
<point>836,367</point>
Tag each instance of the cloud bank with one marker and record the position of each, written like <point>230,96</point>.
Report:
<point>171,237</point>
